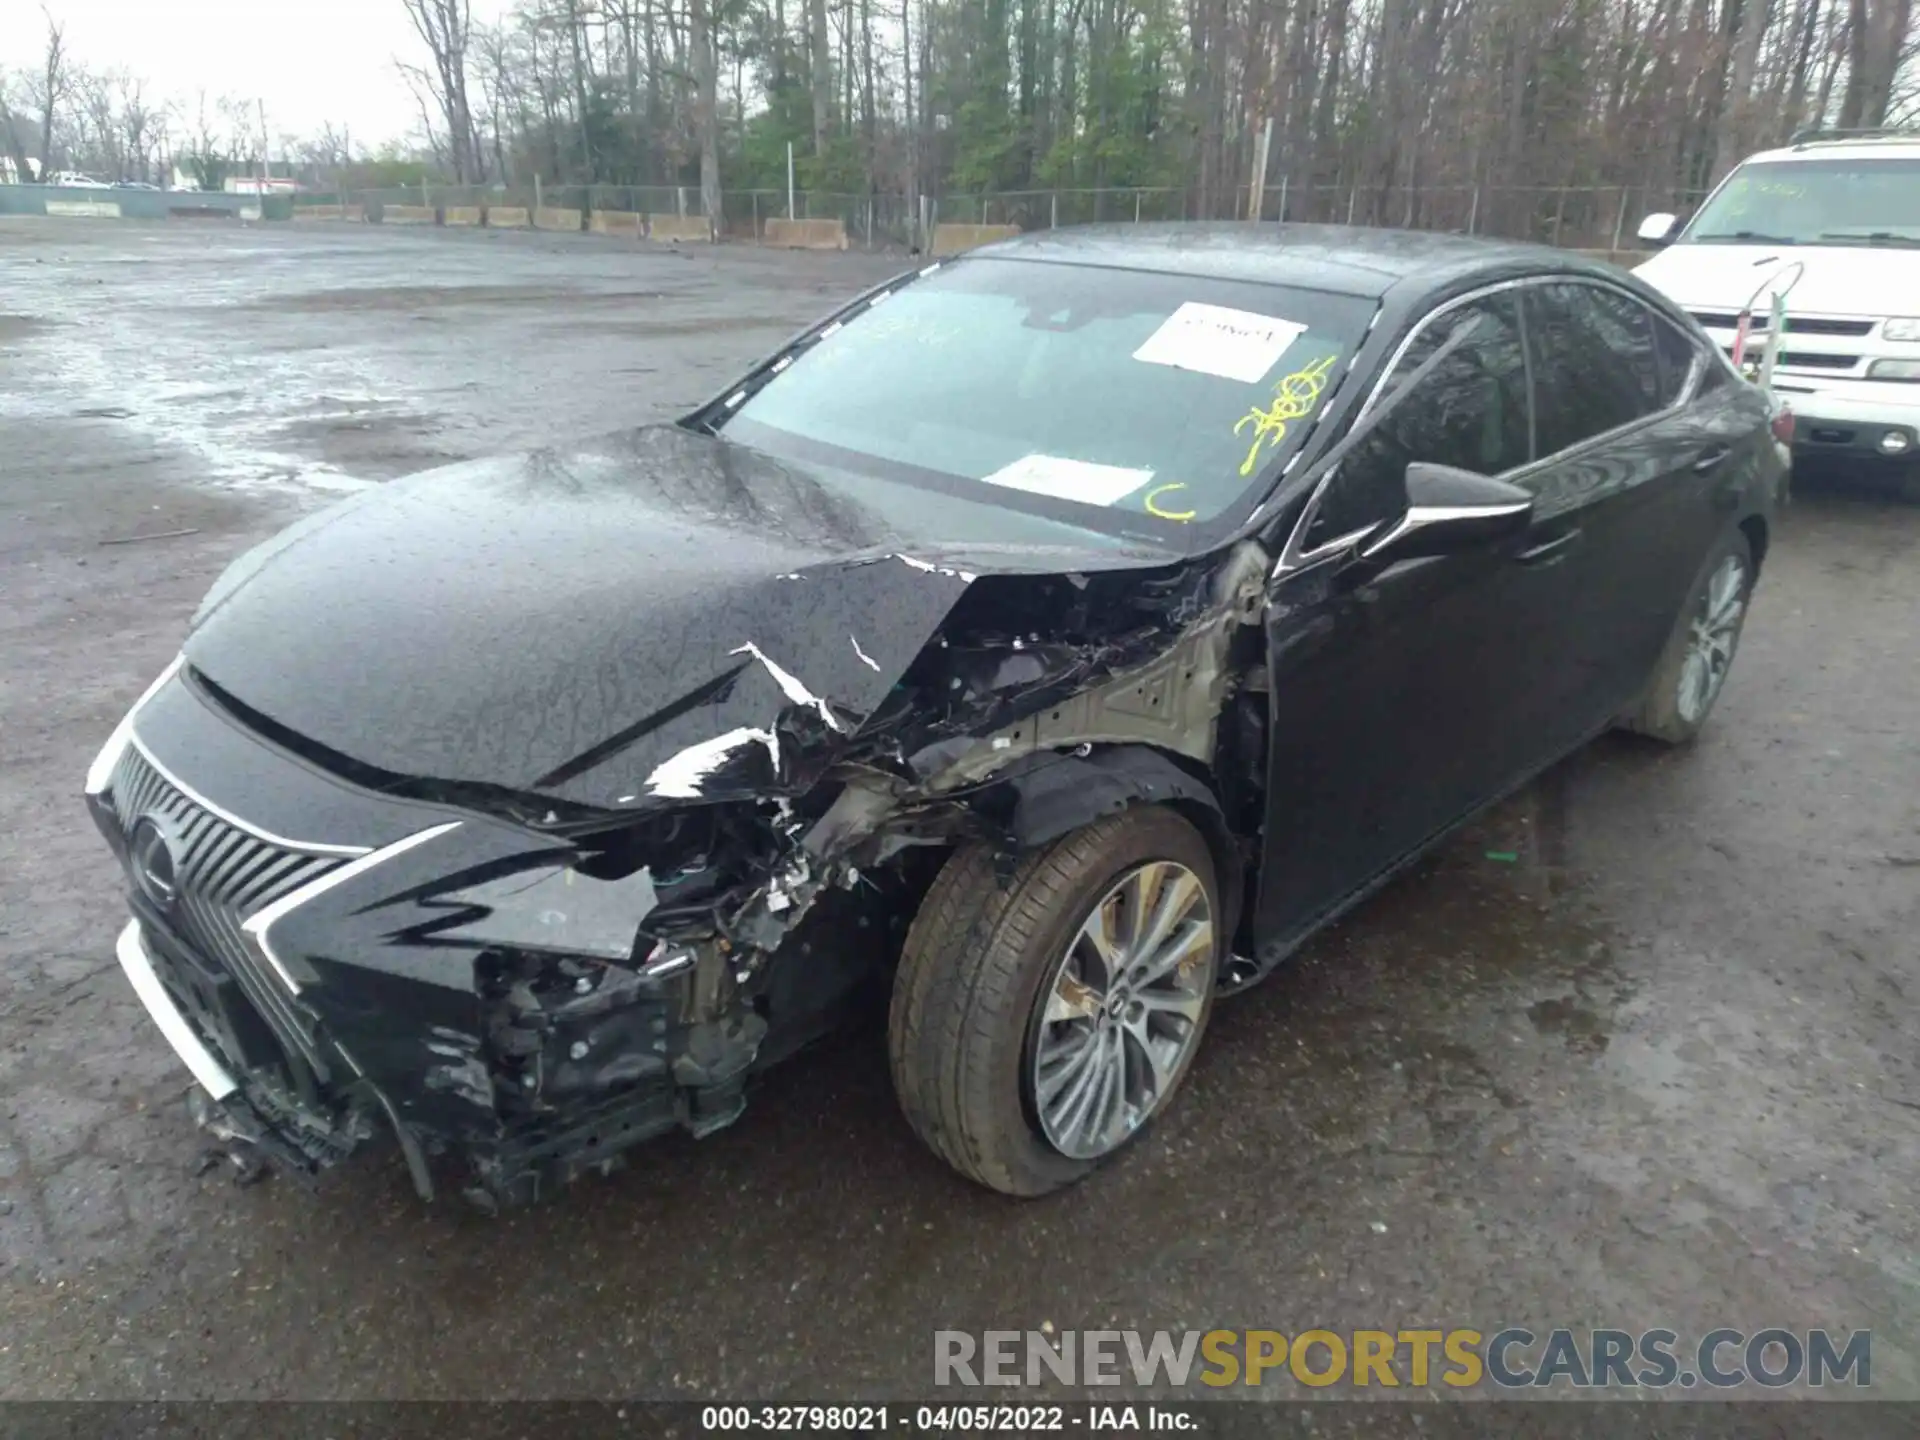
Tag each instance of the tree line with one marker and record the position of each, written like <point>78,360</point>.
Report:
<point>1454,113</point>
<point>1404,106</point>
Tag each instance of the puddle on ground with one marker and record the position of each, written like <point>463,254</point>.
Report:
<point>1564,1015</point>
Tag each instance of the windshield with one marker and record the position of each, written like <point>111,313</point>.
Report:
<point>1093,395</point>
<point>1828,201</point>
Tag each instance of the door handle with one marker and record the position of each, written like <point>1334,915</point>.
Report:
<point>1711,460</point>
<point>1548,549</point>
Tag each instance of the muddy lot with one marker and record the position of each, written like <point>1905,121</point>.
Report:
<point>1659,1068</point>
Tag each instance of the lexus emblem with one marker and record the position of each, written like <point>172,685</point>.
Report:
<point>150,851</point>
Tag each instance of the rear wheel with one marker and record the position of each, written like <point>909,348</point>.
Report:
<point>1694,666</point>
<point>1043,1016</point>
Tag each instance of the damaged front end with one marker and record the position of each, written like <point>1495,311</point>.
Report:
<point>520,942</point>
<point>523,1005</point>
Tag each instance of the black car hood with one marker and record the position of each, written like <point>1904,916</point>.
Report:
<point>593,625</point>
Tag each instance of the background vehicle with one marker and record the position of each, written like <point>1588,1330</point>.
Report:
<point>74,180</point>
<point>1845,207</point>
<point>1059,635</point>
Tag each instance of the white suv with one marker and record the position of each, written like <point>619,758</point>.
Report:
<point>1846,206</point>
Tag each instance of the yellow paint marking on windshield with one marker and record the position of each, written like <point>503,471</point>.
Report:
<point>1293,399</point>
<point>1153,503</point>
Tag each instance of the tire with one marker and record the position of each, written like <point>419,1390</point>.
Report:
<point>1908,485</point>
<point>1672,709</point>
<point>997,941</point>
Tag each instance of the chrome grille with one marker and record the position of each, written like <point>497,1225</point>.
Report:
<point>1796,324</point>
<point>1802,359</point>
<point>225,875</point>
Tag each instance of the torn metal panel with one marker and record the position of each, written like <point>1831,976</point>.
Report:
<point>683,775</point>
<point>1171,700</point>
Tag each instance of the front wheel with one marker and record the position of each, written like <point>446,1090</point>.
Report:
<point>1694,666</point>
<point>1043,1015</point>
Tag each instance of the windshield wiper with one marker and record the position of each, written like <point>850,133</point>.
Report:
<point>1751,237</point>
<point>1870,237</point>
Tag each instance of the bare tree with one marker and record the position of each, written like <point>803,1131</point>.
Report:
<point>706,106</point>
<point>139,132</point>
<point>13,134</point>
<point>48,89</point>
<point>446,27</point>
<point>1878,35</point>
<point>820,73</point>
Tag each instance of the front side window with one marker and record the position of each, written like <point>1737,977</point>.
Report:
<point>1596,365</point>
<point>1470,411</point>
<point>1120,400</point>
<point>1825,200</point>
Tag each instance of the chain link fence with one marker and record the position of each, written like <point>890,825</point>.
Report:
<point>1591,217</point>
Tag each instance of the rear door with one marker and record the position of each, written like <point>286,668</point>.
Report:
<point>1399,697</point>
<point>1644,478</point>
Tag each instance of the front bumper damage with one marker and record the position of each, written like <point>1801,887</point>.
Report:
<point>516,991</point>
<point>385,1006</point>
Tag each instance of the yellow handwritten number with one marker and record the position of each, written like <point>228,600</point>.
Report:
<point>1293,399</point>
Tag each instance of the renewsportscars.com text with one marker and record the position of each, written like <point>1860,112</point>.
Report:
<point>1510,1359</point>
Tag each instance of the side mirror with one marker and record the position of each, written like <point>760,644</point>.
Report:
<point>1448,511</point>
<point>1657,229</point>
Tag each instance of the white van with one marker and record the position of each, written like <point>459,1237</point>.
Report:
<point>1846,206</point>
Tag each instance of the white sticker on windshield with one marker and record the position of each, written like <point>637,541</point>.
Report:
<point>1235,344</point>
<point>1080,480</point>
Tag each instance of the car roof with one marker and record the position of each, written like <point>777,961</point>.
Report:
<point>1344,259</point>
<point>1859,147</point>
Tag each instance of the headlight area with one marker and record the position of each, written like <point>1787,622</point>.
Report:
<point>525,1009</point>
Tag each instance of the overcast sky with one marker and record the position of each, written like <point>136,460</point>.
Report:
<point>312,61</point>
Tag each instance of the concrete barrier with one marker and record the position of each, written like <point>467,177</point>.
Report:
<point>549,218</point>
<point>95,203</point>
<point>198,210</point>
<point>1625,259</point>
<point>409,215</point>
<point>614,222</point>
<point>679,228</point>
<point>461,215</point>
<point>356,213</point>
<point>952,239</point>
<point>508,217</point>
<point>807,234</point>
<point>89,209</point>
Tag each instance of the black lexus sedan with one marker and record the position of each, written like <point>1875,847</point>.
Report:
<point>1052,639</point>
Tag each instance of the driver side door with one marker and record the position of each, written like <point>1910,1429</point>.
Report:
<point>1402,696</point>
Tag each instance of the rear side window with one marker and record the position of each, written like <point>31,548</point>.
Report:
<point>1469,411</point>
<point>1677,355</point>
<point>1596,362</point>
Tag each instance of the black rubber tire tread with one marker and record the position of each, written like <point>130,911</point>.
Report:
<point>1657,716</point>
<point>975,957</point>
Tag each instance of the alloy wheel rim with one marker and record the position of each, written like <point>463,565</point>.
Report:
<point>1122,1010</point>
<point>1711,634</point>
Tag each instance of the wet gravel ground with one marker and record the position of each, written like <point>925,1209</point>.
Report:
<point>1659,1069</point>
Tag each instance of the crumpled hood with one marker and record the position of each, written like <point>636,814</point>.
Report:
<point>605,626</point>
<point>1839,279</point>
